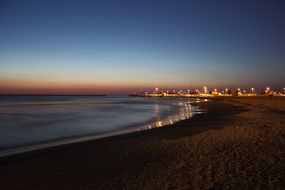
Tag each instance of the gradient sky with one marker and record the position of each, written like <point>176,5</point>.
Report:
<point>115,47</point>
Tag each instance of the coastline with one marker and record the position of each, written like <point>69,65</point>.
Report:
<point>21,151</point>
<point>164,120</point>
<point>206,151</point>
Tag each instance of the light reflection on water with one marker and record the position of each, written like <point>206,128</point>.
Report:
<point>186,111</point>
<point>26,121</point>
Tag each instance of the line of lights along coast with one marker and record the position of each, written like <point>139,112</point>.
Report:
<point>205,92</point>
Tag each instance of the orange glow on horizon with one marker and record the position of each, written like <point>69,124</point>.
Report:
<point>72,87</point>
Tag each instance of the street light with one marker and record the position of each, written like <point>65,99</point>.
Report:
<point>267,90</point>
<point>252,90</point>
<point>205,89</point>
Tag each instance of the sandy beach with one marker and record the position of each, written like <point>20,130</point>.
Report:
<point>238,144</point>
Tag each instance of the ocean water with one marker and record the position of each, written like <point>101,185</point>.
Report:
<point>33,121</point>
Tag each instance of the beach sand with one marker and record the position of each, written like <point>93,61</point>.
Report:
<point>238,144</point>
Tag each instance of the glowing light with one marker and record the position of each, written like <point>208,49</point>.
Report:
<point>205,89</point>
<point>204,93</point>
<point>159,123</point>
<point>156,89</point>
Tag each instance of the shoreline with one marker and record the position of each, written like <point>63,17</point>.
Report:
<point>33,149</point>
<point>14,151</point>
<point>131,160</point>
<point>47,146</point>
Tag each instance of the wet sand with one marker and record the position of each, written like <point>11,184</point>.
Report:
<point>238,144</point>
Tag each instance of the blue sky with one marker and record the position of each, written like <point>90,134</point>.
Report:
<point>120,46</point>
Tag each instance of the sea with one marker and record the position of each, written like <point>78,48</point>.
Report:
<point>33,122</point>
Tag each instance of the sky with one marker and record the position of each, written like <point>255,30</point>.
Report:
<point>118,47</point>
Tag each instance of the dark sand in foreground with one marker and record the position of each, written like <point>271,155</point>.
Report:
<point>238,144</point>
